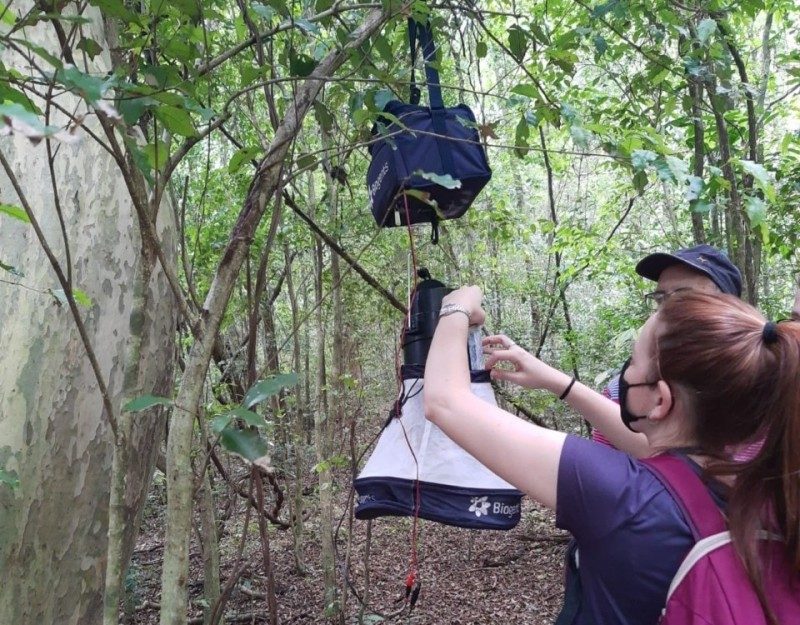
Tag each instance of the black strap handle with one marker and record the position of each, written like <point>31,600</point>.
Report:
<point>424,33</point>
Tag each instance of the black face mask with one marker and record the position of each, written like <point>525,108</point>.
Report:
<point>627,416</point>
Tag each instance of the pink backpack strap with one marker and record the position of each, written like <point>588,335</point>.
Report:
<point>691,494</point>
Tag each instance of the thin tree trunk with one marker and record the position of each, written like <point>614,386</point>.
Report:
<point>209,539</point>
<point>297,436</point>
<point>738,227</point>
<point>323,417</point>
<point>336,420</point>
<point>175,570</point>
<point>698,153</point>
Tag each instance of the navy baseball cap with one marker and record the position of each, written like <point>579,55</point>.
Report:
<point>703,258</point>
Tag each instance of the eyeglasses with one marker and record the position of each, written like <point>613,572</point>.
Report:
<point>656,298</point>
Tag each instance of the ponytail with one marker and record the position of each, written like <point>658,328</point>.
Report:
<point>740,377</point>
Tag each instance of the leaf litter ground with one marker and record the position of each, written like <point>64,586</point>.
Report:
<point>468,576</point>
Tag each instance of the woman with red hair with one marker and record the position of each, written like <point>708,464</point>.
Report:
<point>707,373</point>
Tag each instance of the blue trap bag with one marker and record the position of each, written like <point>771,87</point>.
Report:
<point>432,139</point>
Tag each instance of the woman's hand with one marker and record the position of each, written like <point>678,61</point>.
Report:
<point>528,371</point>
<point>469,297</point>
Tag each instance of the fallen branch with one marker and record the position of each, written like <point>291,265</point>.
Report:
<point>551,538</point>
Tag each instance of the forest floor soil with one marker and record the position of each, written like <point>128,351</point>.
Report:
<point>468,576</point>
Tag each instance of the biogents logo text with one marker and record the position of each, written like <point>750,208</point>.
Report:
<point>505,509</point>
<point>482,506</point>
<point>375,186</point>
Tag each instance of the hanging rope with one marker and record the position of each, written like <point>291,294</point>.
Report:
<point>412,582</point>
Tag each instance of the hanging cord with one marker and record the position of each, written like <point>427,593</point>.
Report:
<point>412,583</point>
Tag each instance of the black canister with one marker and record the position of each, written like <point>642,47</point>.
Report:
<point>423,317</point>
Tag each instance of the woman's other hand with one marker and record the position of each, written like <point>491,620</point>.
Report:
<point>527,370</point>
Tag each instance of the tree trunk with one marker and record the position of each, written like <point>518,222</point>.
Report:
<point>698,154</point>
<point>55,431</point>
<point>297,431</point>
<point>738,225</point>
<point>322,418</point>
<point>209,538</point>
<point>179,474</point>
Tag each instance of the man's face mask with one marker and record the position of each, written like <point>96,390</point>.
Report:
<point>627,416</point>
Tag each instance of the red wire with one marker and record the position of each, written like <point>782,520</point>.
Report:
<point>412,576</point>
<point>414,560</point>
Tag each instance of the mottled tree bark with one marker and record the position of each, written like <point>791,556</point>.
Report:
<point>54,429</point>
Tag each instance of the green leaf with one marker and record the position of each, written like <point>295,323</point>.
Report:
<point>761,177</point>
<point>143,402</point>
<point>156,154</point>
<point>701,206</point>
<point>24,122</point>
<point>640,159</point>
<point>301,64</point>
<point>305,25</point>
<point>139,157</point>
<point>527,90</point>
<point>481,50</point>
<point>240,157</point>
<point>306,162</point>
<point>220,422</point>
<point>384,49</point>
<point>9,94</point>
<point>178,121</point>
<point>640,181</point>
<point>7,14</point>
<point>678,167</point>
<point>263,11</point>
<point>117,9</point>
<point>16,212</point>
<point>665,171</point>
<point>81,298</point>
<point>580,136</point>
<point>206,114</point>
<point>189,8</point>
<point>61,17</point>
<point>249,417</point>
<point>323,116</point>
<point>90,88</point>
<point>90,47</point>
<point>382,98</point>
<point>11,269</point>
<point>245,443</point>
<point>756,170</point>
<point>756,210</point>
<point>443,180</point>
<point>521,135</point>
<point>264,389</point>
<point>705,29</point>
<point>600,45</point>
<point>9,478</point>
<point>517,42</point>
<point>181,49</point>
<point>132,109</point>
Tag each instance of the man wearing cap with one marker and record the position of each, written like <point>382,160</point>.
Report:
<point>701,268</point>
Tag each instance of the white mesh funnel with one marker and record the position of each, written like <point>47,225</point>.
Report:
<point>454,488</point>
